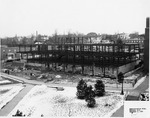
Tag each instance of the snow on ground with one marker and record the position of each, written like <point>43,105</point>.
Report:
<point>42,100</point>
<point>7,93</point>
<point>5,81</point>
<point>139,81</point>
<point>132,77</point>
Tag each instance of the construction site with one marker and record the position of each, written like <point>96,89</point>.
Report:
<point>67,56</point>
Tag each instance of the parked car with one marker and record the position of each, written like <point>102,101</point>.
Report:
<point>133,96</point>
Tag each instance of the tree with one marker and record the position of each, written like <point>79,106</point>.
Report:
<point>89,93</point>
<point>19,113</point>
<point>89,97</point>
<point>99,88</point>
<point>14,42</point>
<point>31,40</point>
<point>91,102</point>
<point>119,41</point>
<point>134,35</point>
<point>24,40</point>
<point>55,37</point>
<point>81,87</point>
<point>120,80</point>
<point>120,44</point>
<point>4,41</point>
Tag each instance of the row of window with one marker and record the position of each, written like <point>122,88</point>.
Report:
<point>134,41</point>
<point>9,50</point>
<point>86,48</point>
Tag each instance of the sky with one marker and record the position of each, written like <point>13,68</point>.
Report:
<point>25,17</point>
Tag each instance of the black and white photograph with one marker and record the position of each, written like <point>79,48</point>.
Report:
<point>74,58</point>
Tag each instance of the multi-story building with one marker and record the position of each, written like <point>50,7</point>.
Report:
<point>9,53</point>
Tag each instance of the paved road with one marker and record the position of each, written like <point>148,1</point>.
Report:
<point>11,105</point>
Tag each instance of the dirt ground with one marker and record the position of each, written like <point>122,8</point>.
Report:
<point>52,76</point>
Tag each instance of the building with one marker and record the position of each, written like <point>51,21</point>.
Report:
<point>9,53</point>
<point>123,36</point>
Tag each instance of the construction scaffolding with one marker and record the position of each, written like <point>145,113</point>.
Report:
<point>80,54</point>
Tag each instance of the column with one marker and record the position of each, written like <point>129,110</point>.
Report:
<point>146,46</point>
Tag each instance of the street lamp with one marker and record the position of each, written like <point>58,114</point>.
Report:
<point>120,80</point>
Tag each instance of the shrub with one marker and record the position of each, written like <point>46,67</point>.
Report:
<point>81,87</point>
<point>91,102</point>
<point>89,93</point>
<point>99,88</point>
<point>89,97</point>
<point>19,113</point>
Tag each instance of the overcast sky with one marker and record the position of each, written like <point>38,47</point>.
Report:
<point>25,17</point>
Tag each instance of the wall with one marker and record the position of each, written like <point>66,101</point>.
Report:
<point>5,50</point>
<point>128,67</point>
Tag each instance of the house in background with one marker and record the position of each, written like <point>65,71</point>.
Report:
<point>9,53</point>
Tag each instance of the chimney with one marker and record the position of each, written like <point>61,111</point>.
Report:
<point>146,46</point>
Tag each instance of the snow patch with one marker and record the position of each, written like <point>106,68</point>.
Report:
<point>50,102</point>
<point>5,82</point>
<point>139,82</point>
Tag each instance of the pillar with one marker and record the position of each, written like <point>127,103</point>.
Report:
<point>73,68</point>
<point>82,69</point>
<point>146,46</point>
<point>93,69</point>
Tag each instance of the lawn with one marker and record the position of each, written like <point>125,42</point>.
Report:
<point>49,102</point>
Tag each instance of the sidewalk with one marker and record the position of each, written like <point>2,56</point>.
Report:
<point>143,86</point>
<point>11,105</point>
<point>119,112</point>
